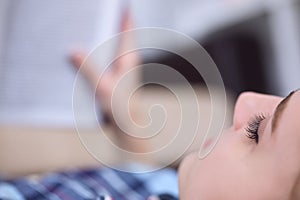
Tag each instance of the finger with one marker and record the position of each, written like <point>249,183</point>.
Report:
<point>127,21</point>
<point>127,61</point>
<point>85,67</point>
<point>77,59</point>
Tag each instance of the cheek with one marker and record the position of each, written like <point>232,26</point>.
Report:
<point>222,152</point>
<point>200,179</point>
<point>185,168</point>
<point>218,175</point>
<point>192,176</point>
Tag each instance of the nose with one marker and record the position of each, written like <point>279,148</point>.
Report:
<point>250,104</point>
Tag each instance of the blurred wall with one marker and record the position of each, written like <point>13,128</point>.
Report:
<point>255,43</point>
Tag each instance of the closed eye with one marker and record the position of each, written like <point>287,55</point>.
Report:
<point>253,126</point>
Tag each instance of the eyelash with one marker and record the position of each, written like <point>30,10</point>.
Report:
<point>253,125</point>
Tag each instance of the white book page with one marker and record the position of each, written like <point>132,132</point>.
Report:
<point>36,77</point>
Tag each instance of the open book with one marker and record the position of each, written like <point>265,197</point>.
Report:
<point>36,39</point>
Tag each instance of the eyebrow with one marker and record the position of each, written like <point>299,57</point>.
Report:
<point>279,110</point>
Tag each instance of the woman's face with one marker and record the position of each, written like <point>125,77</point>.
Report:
<point>264,167</point>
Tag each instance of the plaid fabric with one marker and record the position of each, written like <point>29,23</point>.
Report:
<point>96,184</point>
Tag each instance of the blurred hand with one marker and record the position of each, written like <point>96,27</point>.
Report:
<point>110,78</point>
<point>109,81</point>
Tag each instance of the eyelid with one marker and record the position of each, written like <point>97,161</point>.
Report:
<point>263,125</point>
<point>254,126</point>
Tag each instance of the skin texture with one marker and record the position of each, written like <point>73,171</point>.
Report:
<point>238,168</point>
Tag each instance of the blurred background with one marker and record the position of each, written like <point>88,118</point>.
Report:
<point>254,43</point>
